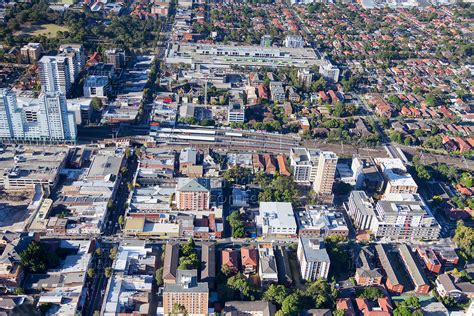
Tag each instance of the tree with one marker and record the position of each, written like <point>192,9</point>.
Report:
<point>188,262</point>
<point>240,284</point>
<point>338,312</point>
<point>159,276</point>
<point>291,305</point>
<point>90,272</point>
<point>120,220</point>
<point>113,253</point>
<point>371,293</point>
<point>276,294</point>
<point>19,291</point>
<point>464,239</point>
<point>322,294</point>
<point>37,259</point>
<point>236,224</point>
<point>108,272</point>
<point>226,270</point>
<point>98,252</point>
<point>97,104</point>
<point>466,180</point>
<point>188,248</point>
<point>237,175</point>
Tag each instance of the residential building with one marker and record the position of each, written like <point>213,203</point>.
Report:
<point>255,308</point>
<point>430,259</point>
<point>54,73</point>
<point>282,168</point>
<point>304,164</point>
<point>293,41</point>
<point>208,263</point>
<point>313,258</point>
<point>329,71</point>
<point>321,221</point>
<point>418,277</point>
<point>31,53</point>
<point>392,282</point>
<point>397,178</point>
<point>378,307</point>
<point>249,259</point>
<point>266,40</point>
<point>193,194</point>
<point>277,91</point>
<point>326,172</point>
<point>404,217</point>
<point>267,265</point>
<point>116,57</point>
<point>45,119</point>
<point>236,112</point>
<point>366,175</point>
<point>446,287</point>
<point>230,258</point>
<point>96,86</point>
<point>11,269</point>
<point>81,57</point>
<point>276,219</point>
<point>345,305</point>
<point>305,76</point>
<point>170,264</point>
<point>187,292</point>
<point>283,266</point>
<point>361,210</point>
<point>367,274</point>
<point>76,59</point>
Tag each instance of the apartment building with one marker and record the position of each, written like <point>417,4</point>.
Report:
<point>313,258</point>
<point>55,74</point>
<point>276,219</point>
<point>396,176</point>
<point>187,293</point>
<point>193,194</point>
<point>42,119</point>
<point>361,209</point>
<point>418,277</point>
<point>326,172</point>
<point>31,53</point>
<point>76,59</point>
<point>267,265</point>
<point>116,57</point>
<point>404,217</point>
<point>392,281</point>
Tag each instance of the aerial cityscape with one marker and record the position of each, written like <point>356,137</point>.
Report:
<point>236,157</point>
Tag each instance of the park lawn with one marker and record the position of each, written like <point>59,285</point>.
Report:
<point>48,30</point>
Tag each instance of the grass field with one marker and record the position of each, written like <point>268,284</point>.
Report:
<point>48,30</point>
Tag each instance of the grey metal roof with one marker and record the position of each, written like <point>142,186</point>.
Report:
<point>314,250</point>
<point>193,185</point>
<point>416,274</point>
<point>386,265</point>
<point>171,261</point>
<point>186,281</point>
<point>208,261</point>
<point>242,307</point>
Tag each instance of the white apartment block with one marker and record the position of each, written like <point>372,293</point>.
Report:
<point>55,74</point>
<point>326,172</point>
<point>314,166</point>
<point>45,119</point>
<point>396,176</point>
<point>76,58</point>
<point>361,210</point>
<point>276,219</point>
<point>404,217</point>
<point>313,258</point>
